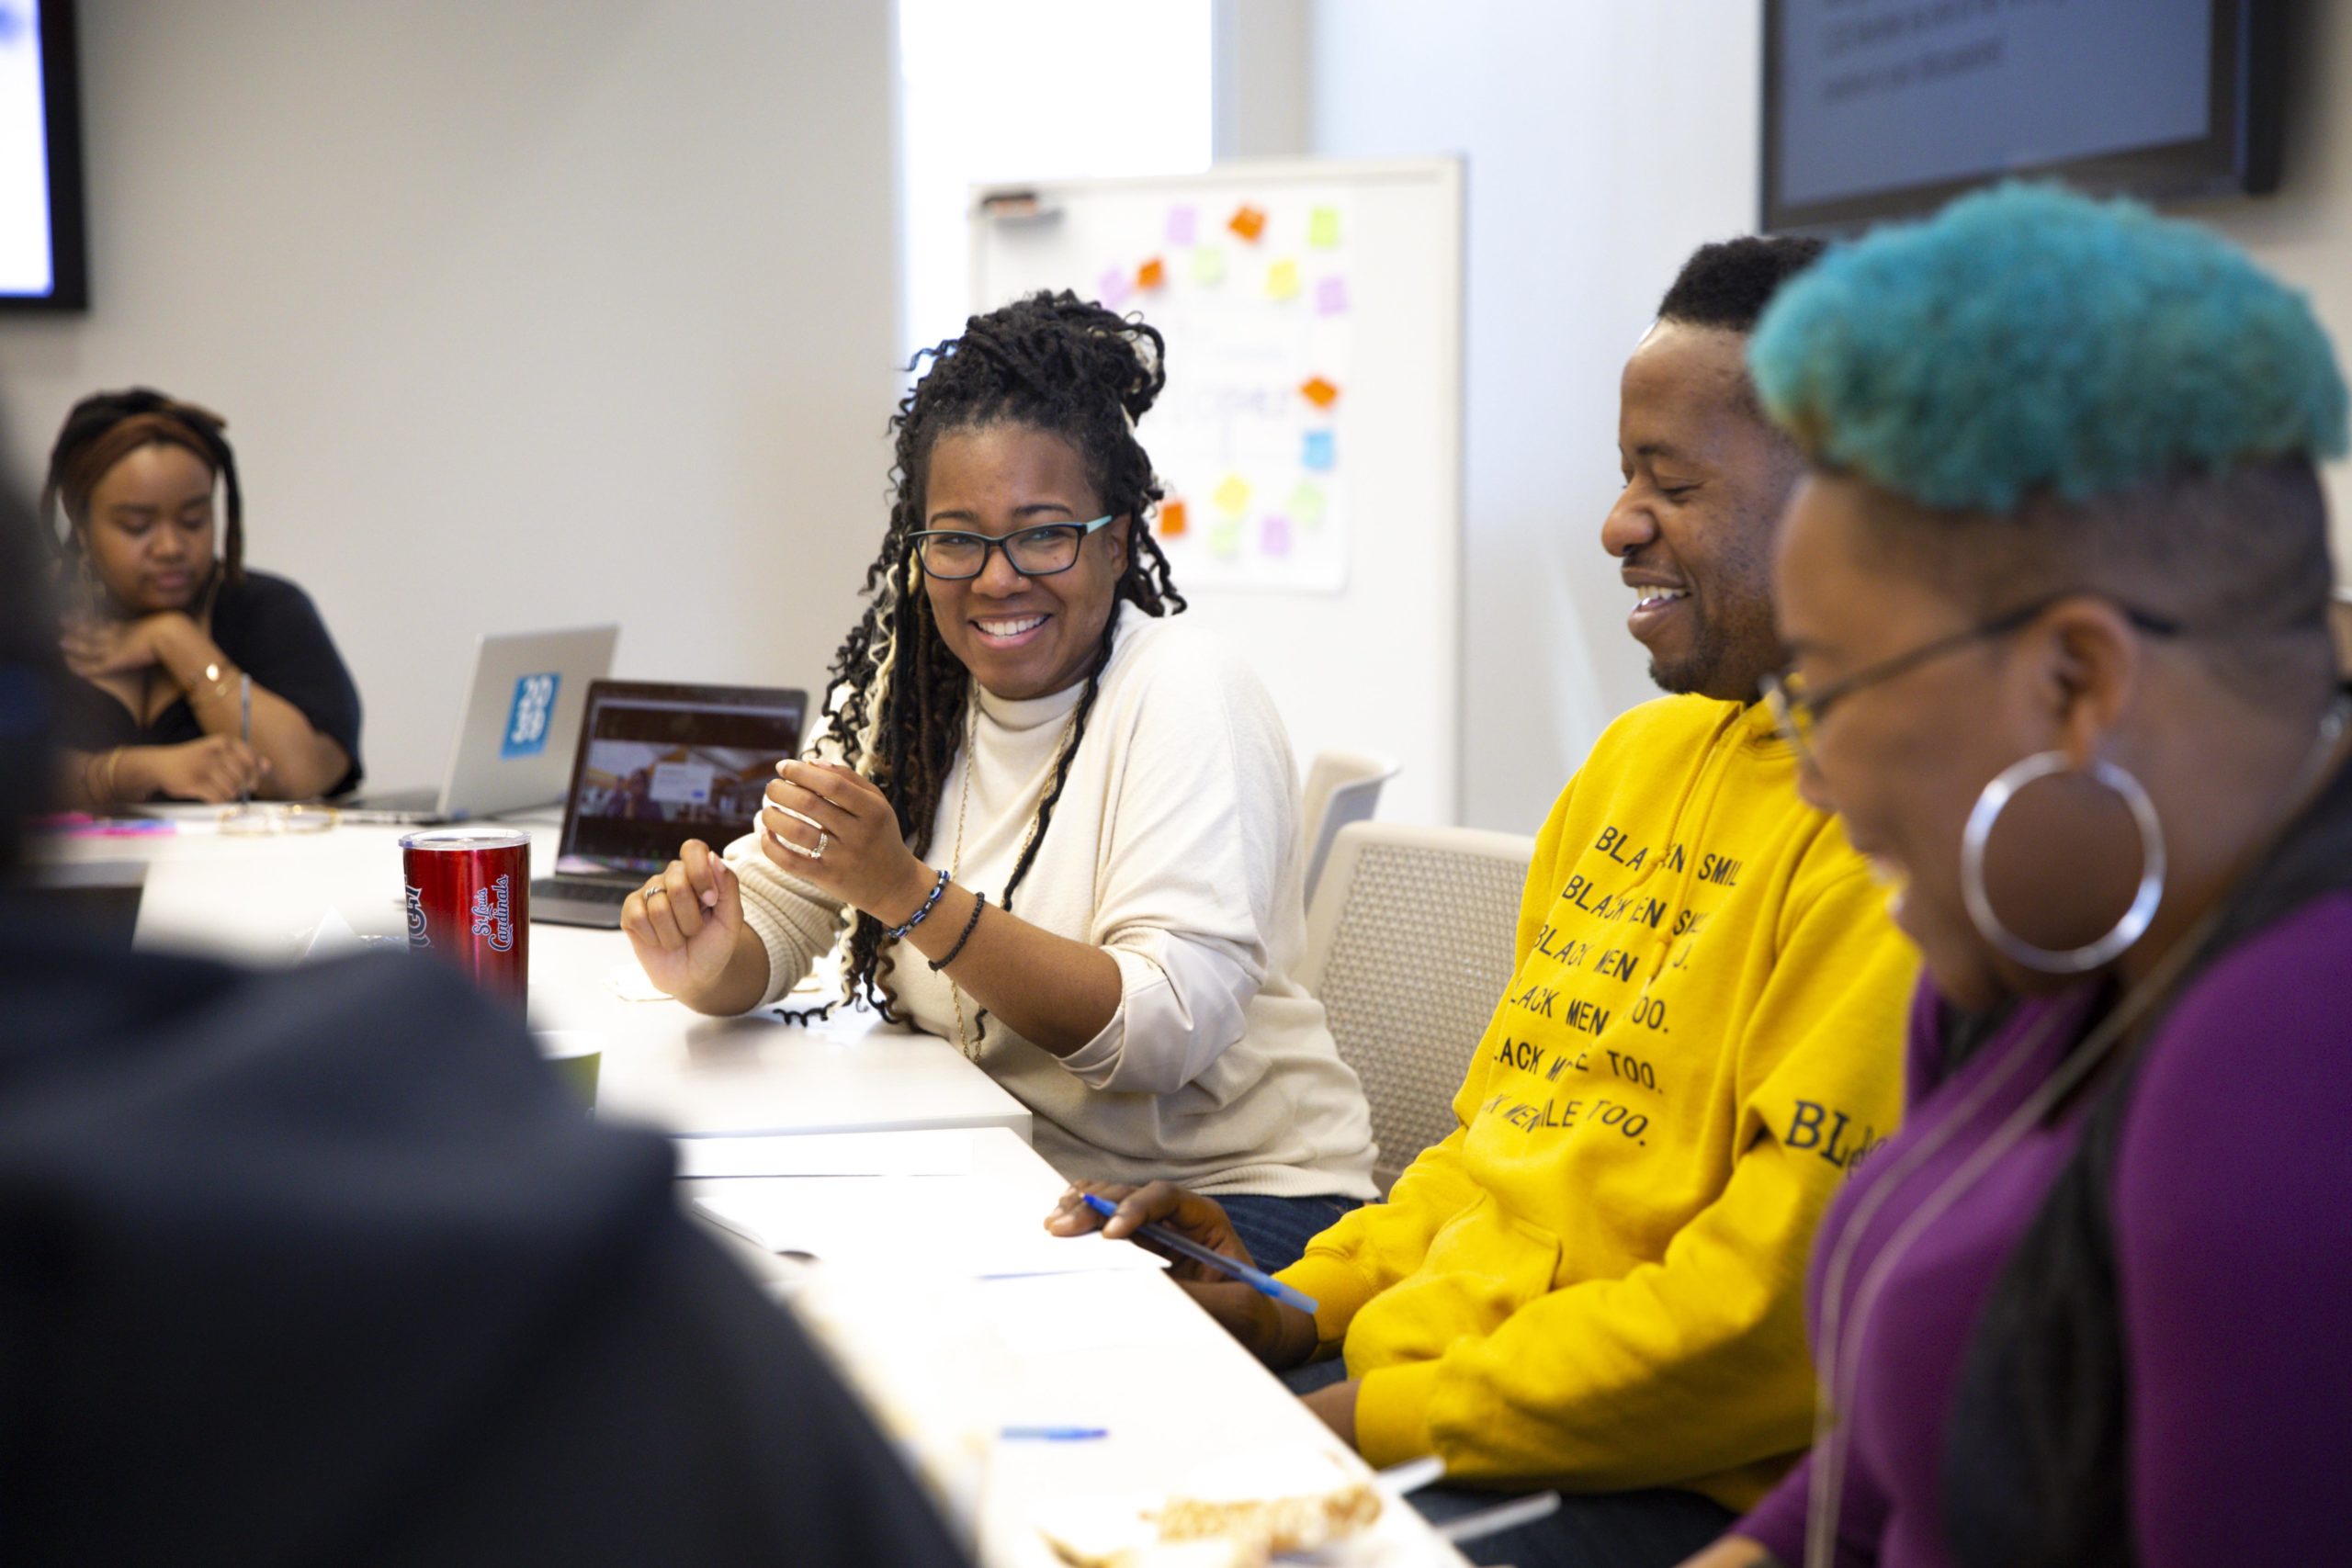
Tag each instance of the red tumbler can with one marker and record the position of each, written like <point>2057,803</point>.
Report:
<point>470,903</point>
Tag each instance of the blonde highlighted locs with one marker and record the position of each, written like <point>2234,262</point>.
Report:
<point>1049,362</point>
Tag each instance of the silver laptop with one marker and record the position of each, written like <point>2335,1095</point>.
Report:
<point>517,734</point>
<point>660,764</point>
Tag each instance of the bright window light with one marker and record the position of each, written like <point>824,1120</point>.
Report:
<point>1033,89</point>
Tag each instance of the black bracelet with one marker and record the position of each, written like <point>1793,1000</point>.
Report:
<point>979,902</point>
<point>899,933</point>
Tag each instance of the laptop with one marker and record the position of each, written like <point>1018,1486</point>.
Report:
<point>521,720</point>
<point>659,764</point>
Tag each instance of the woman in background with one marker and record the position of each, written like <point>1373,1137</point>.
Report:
<point>1015,717</point>
<point>197,678</point>
<point>2056,589</point>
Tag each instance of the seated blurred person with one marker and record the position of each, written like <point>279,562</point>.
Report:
<point>199,679</point>
<point>322,1267</point>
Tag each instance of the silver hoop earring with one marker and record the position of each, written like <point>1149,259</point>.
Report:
<point>2135,920</point>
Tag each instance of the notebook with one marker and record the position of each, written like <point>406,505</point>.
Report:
<point>515,733</point>
<point>659,764</point>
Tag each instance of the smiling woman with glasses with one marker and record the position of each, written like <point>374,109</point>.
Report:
<point>2055,590</point>
<point>1046,820</point>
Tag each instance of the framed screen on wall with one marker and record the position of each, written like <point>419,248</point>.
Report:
<point>1884,108</point>
<point>42,262</point>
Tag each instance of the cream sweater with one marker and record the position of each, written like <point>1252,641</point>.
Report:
<point>1174,847</point>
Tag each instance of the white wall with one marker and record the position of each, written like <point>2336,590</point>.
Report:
<point>521,315</point>
<point>1604,141</point>
<point>2304,231</point>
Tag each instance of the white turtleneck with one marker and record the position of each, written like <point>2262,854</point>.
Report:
<point>1174,847</point>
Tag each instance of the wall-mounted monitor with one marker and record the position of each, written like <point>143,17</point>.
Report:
<point>43,265</point>
<point>1885,108</point>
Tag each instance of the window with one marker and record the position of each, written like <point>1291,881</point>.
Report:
<point>1033,89</point>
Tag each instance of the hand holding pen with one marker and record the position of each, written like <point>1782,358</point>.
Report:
<point>1273,1321</point>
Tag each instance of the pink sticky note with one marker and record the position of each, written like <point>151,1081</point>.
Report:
<point>1332,296</point>
<point>1181,225</point>
<point>1274,536</point>
<point>1114,288</point>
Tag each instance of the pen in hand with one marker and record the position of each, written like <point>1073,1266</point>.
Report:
<point>1160,1235</point>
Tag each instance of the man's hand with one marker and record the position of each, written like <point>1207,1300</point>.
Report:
<point>1279,1335</point>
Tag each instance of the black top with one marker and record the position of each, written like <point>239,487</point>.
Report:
<point>269,628</point>
<point>323,1265</point>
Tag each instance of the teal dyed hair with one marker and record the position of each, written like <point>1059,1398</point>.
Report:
<point>2028,340</point>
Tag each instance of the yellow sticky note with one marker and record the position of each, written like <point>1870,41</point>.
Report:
<point>1323,228</point>
<point>1231,494</point>
<point>1282,280</point>
<point>1208,265</point>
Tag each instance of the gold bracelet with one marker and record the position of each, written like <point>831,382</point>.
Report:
<point>109,765</point>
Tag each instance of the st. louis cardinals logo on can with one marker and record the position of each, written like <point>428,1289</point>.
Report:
<point>469,902</point>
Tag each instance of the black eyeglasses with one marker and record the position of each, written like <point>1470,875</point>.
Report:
<point>953,555</point>
<point>1799,711</point>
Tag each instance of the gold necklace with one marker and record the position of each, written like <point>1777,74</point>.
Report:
<point>970,1044</point>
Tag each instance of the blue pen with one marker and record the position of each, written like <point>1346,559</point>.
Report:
<point>1264,1283</point>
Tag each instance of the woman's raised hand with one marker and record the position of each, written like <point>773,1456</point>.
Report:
<point>838,833</point>
<point>684,922</point>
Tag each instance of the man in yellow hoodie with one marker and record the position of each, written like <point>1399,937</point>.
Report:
<point>1596,1282</point>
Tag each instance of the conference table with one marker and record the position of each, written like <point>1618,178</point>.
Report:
<point>982,1379</point>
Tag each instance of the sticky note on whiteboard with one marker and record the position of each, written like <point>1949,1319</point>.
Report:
<point>1180,225</point>
<point>1319,391</point>
<point>1113,287</point>
<point>1208,265</point>
<point>1282,280</point>
<point>1225,537</point>
<point>1274,536</point>
<point>1332,296</point>
<point>1232,493</point>
<point>1315,451</point>
<point>1172,520</point>
<point>1307,503</point>
<point>1152,273</point>
<point>1323,228</point>
<point>1248,221</point>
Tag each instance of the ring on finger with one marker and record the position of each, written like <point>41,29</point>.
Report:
<point>823,838</point>
<point>803,817</point>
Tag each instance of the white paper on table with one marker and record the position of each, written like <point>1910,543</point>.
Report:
<point>1055,1315</point>
<point>930,1152</point>
<point>909,1224</point>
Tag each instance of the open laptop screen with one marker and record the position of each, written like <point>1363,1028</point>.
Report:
<point>659,764</point>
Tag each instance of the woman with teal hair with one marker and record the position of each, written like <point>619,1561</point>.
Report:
<point>2055,591</point>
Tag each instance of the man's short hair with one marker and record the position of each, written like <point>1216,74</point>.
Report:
<point>1728,284</point>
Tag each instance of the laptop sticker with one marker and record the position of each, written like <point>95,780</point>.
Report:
<point>527,721</point>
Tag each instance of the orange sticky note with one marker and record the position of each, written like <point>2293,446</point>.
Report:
<point>1319,391</point>
<point>1152,273</point>
<point>1171,519</point>
<point>1247,221</point>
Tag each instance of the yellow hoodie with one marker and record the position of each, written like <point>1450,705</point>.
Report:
<point>1596,1282</point>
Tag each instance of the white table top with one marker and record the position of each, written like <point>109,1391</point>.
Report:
<point>261,900</point>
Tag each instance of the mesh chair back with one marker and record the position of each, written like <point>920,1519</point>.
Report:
<point>1341,787</point>
<point>1409,947</point>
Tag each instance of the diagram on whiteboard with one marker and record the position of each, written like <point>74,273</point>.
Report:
<point>1250,436</point>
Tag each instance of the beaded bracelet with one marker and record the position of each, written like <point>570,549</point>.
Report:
<point>898,934</point>
<point>979,902</point>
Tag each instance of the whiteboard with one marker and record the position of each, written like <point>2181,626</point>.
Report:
<point>1310,435</point>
